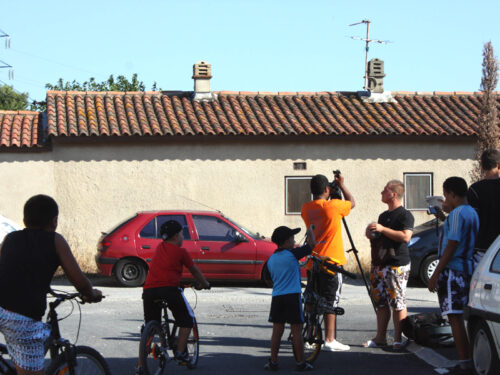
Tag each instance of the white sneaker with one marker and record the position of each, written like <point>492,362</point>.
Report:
<point>335,346</point>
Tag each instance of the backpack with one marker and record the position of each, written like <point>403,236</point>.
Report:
<point>428,329</point>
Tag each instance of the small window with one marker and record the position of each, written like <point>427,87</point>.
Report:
<point>495,265</point>
<point>212,228</point>
<point>417,187</point>
<point>152,229</point>
<point>297,192</point>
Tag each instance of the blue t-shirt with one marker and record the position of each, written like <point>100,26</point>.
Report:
<point>461,225</point>
<point>284,269</point>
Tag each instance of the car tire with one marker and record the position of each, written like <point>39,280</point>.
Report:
<point>130,272</point>
<point>427,268</point>
<point>484,354</point>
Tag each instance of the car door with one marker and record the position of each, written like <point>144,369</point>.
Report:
<point>149,236</point>
<point>221,254</point>
<point>490,294</point>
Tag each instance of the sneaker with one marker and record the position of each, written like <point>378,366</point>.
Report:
<point>271,366</point>
<point>182,358</point>
<point>304,366</point>
<point>335,346</point>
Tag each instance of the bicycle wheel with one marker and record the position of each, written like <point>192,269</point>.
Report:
<point>313,337</point>
<point>153,349</point>
<point>88,361</point>
<point>192,345</point>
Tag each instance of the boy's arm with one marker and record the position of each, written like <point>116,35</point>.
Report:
<point>449,250</point>
<point>73,271</point>
<point>199,276</point>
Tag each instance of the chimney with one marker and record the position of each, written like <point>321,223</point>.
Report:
<point>375,76</point>
<point>202,72</point>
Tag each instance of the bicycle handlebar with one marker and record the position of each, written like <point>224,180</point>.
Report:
<point>332,267</point>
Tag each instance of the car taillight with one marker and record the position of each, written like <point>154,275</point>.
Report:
<point>103,245</point>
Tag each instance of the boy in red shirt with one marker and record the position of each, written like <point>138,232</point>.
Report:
<point>164,282</point>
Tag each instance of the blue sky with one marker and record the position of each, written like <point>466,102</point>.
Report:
<point>259,45</point>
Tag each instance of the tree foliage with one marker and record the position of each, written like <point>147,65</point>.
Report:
<point>121,83</point>
<point>12,100</point>
<point>488,134</point>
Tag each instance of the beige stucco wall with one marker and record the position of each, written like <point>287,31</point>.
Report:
<point>99,184</point>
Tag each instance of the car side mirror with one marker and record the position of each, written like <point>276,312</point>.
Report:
<point>238,237</point>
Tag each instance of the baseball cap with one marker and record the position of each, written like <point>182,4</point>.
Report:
<point>281,234</point>
<point>169,229</point>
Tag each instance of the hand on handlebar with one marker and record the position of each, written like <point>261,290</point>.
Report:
<point>200,286</point>
<point>95,296</point>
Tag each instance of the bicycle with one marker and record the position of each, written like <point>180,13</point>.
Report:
<point>65,358</point>
<point>158,338</point>
<point>316,306</point>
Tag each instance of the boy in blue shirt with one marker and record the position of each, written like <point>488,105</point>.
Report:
<point>286,306</point>
<point>451,278</point>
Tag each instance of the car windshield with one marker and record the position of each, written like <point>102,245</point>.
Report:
<point>255,236</point>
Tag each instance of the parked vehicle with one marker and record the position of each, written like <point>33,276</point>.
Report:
<point>423,248</point>
<point>483,312</point>
<point>222,249</point>
<point>7,226</point>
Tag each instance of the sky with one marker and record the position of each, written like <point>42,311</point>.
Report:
<point>252,45</point>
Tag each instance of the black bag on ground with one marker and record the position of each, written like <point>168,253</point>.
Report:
<point>428,329</point>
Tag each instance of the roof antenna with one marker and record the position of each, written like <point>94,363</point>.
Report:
<point>3,64</point>
<point>368,41</point>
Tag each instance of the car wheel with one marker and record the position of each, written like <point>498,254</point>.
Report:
<point>427,268</point>
<point>130,272</point>
<point>484,354</point>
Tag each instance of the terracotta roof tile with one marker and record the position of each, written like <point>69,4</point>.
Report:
<point>257,113</point>
<point>20,129</point>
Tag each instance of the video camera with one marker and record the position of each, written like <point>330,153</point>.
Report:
<point>335,192</point>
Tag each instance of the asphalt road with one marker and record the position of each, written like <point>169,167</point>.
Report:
<point>235,333</point>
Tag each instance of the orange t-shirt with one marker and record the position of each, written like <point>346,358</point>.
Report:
<point>326,216</point>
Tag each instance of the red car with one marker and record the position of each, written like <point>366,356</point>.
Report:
<point>222,249</point>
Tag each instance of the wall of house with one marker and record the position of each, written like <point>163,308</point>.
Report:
<point>98,185</point>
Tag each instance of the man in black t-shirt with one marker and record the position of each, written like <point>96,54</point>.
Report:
<point>389,276</point>
<point>484,197</point>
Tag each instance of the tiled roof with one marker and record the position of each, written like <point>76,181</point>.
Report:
<point>19,129</point>
<point>259,113</point>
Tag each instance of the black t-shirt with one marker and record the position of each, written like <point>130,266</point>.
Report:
<point>28,262</point>
<point>398,219</point>
<point>484,196</point>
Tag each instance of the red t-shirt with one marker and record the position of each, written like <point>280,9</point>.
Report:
<point>165,268</point>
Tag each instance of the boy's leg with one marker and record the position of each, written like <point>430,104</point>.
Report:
<point>460,336</point>
<point>397,279</point>
<point>298,342</point>
<point>21,371</point>
<point>379,292</point>
<point>278,329</point>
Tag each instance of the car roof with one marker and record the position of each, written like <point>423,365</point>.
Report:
<point>185,211</point>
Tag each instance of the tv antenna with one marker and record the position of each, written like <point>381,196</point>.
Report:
<point>3,64</point>
<point>367,41</point>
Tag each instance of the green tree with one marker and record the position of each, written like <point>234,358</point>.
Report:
<point>488,134</point>
<point>11,99</point>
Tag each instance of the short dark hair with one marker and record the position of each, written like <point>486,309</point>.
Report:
<point>319,184</point>
<point>39,211</point>
<point>455,185</point>
<point>490,159</point>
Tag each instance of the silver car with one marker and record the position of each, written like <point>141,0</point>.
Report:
<point>483,312</point>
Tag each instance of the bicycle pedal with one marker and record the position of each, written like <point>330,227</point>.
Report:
<point>338,311</point>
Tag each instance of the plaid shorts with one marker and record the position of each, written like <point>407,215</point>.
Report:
<point>389,285</point>
<point>25,338</point>
<point>453,291</point>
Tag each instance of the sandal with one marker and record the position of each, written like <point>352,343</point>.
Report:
<point>373,344</point>
<point>398,345</point>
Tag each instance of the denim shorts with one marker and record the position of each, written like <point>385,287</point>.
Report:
<point>25,339</point>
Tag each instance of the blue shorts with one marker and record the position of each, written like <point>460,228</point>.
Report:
<point>453,291</point>
<point>25,339</point>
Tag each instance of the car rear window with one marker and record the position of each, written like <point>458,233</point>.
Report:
<point>495,265</point>
<point>152,229</point>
